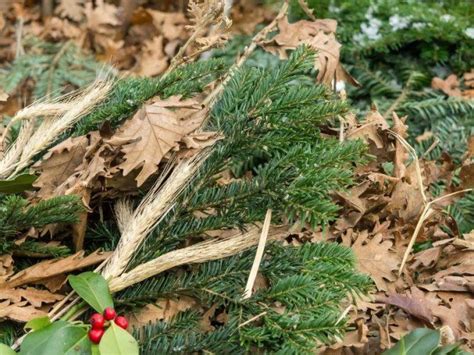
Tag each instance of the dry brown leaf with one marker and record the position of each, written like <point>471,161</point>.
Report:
<point>49,268</point>
<point>467,176</point>
<point>413,304</point>
<point>153,131</point>
<point>152,60</point>
<point>6,267</point>
<point>34,296</point>
<point>59,164</point>
<point>320,35</point>
<point>101,17</point>
<point>73,9</point>
<point>20,312</point>
<point>164,309</point>
<point>3,96</point>
<point>171,25</point>
<point>375,259</point>
<point>450,86</point>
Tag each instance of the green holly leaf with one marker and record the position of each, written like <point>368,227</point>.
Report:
<point>37,323</point>
<point>419,341</point>
<point>58,338</point>
<point>6,350</point>
<point>18,184</point>
<point>118,341</point>
<point>93,289</point>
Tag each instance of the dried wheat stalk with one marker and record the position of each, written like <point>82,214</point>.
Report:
<point>198,253</point>
<point>29,144</point>
<point>148,214</point>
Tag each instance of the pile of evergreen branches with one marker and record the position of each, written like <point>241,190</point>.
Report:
<point>272,148</point>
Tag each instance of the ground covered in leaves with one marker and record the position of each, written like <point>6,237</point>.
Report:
<point>396,217</point>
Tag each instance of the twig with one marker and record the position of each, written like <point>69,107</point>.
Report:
<point>258,255</point>
<point>252,319</point>
<point>307,10</point>
<point>427,212</point>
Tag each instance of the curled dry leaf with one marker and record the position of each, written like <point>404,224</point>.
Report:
<point>153,131</point>
<point>450,86</point>
<point>163,309</point>
<point>320,35</point>
<point>49,268</point>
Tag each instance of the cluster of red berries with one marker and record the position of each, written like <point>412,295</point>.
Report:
<point>98,322</point>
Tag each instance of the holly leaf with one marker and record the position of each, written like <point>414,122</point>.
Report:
<point>18,184</point>
<point>59,338</point>
<point>37,323</point>
<point>118,341</point>
<point>93,289</point>
<point>419,341</point>
<point>6,350</point>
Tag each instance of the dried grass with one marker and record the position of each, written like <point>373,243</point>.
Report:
<point>158,201</point>
<point>198,253</point>
<point>58,117</point>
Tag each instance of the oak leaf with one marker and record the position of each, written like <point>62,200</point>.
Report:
<point>73,9</point>
<point>320,35</point>
<point>153,131</point>
<point>59,164</point>
<point>375,258</point>
<point>46,269</point>
<point>20,312</point>
<point>34,296</point>
<point>413,303</point>
<point>450,86</point>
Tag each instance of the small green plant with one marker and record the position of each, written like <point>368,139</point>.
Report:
<point>106,333</point>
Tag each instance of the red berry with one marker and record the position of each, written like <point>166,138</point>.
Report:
<point>109,313</point>
<point>97,321</point>
<point>122,322</point>
<point>95,335</point>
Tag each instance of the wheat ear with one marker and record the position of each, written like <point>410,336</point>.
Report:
<point>149,213</point>
<point>197,253</point>
<point>51,127</point>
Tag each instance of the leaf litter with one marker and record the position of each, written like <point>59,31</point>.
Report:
<point>378,216</point>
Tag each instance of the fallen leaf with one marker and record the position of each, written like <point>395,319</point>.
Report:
<point>46,269</point>
<point>73,9</point>
<point>450,86</point>
<point>153,131</point>
<point>413,304</point>
<point>375,259</point>
<point>59,164</point>
<point>32,295</point>
<point>320,35</point>
<point>20,312</point>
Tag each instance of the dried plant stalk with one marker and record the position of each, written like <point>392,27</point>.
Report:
<point>198,253</point>
<point>148,214</point>
<point>258,255</point>
<point>28,144</point>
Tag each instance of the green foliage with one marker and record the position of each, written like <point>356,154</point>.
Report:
<point>93,289</point>
<point>423,341</point>
<point>55,68</point>
<point>270,122</point>
<point>57,338</point>
<point>18,184</point>
<point>298,278</point>
<point>17,215</point>
<point>130,93</point>
<point>432,31</point>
